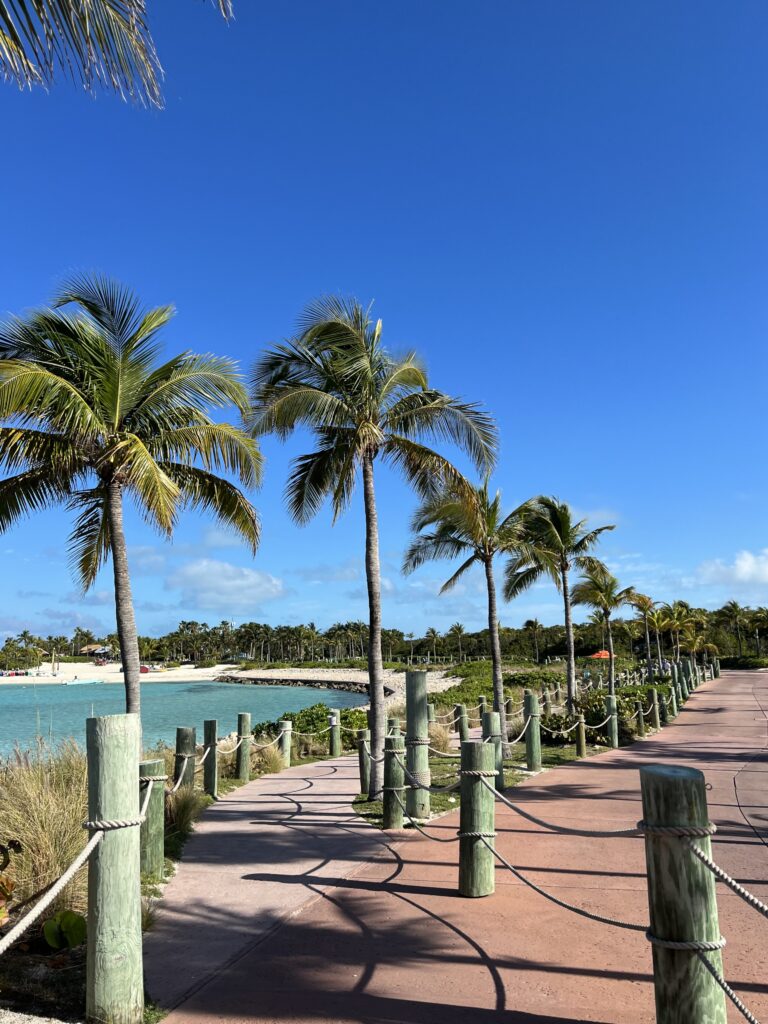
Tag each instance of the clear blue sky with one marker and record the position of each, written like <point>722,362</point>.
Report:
<point>561,205</point>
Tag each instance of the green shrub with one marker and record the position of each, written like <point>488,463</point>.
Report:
<point>315,719</point>
<point>206,663</point>
<point>744,663</point>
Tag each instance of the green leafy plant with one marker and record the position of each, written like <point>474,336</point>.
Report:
<point>65,930</point>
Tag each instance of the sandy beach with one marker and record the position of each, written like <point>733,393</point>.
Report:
<point>68,673</point>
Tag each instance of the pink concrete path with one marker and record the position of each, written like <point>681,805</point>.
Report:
<point>390,941</point>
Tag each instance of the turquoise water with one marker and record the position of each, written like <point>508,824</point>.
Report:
<point>59,712</point>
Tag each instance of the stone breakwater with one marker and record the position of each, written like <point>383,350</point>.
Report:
<point>317,684</point>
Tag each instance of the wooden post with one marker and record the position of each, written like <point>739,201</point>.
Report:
<point>663,709</point>
<point>243,754</point>
<point>672,711</point>
<point>717,668</point>
<point>463,722</point>
<point>363,746</point>
<point>655,719</point>
<point>393,726</point>
<point>285,740</point>
<point>509,710</point>
<point>114,972</point>
<point>547,701</point>
<point>681,896</point>
<point>184,765</point>
<point>334,736</point>
<point>613,720</point>
<point>430,713</point>
<point>394,782</point>
<point>492,732</point>
<point>558,694</point>
<point>457,710</point>
<point>639,718</point>
<point>152,832</point>
<point>483,702</point>
<point>684,688</point>
<point>211,763</point>
<point>477,814</point>
<point>581,738</point>
<point>416,742</point>
<point>533,732</point>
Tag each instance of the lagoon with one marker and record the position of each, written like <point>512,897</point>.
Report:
<point>59,712</point>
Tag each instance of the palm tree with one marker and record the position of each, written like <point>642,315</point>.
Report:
<point>600,589</point>
<point>644,604</point>
<point>694,643</point>
<point>596,619</point>
<point>555,545</point>
<point>104,43</point>
<point>760,622</point>
<point>465,521</point>
<point>657,621</point>
<point>457,630</point>
<point>676,617</point>
<point>735,616</point>
<point>362,405</point>
<point>433,636</point>
<point>92,417</point>
<point>534,627</point>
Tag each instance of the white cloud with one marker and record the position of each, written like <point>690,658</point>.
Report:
<point>747,569</point>
<point>207,583</point>
<point>215,537</point>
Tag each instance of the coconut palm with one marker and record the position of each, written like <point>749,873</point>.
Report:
<point>657,621</point>
<point>457,630</point>
<point>92,417</point>
<point>555,544</point>
<point>534,627</point>
<point>466,521</point>
<point>644,604</point>
<point>363,406</point>
<point>432,636</point>
<point>676,617</point>
<point>736,617</point>
<point>104,43</point>
<point>759,621</point>
<point>695,643</point>
<point>600,589</point>
<point>596,619</point>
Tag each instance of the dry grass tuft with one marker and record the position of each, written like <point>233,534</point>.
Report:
<point>43,803</point>
<point>269,761</point>
<point>440,737</point>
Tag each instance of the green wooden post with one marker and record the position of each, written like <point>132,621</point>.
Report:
<point>717,668</point>
<point>211,763</point>
<point>683,677</point>
<point>581,738</point>
<point>430,713</point>
<point>457,710</point>
<point>285,740</point>
<point>394,782</point>
<point>463,723</point>
<point>114,971</point>
<point>393,726</point>
<point>363,759</point>
<point>547,701</point>
<point>417,800</point>
<point>639,718</point>
<point>492,732</point>
<point>483,701</point>
<point>184,764</point>
<point>655,719</point>
<point>613,720</point>
<point>334,736</point>
<point>477,814</point>
<point>672,710</point>
<point>681,896</point>
<point>509,710</point>
<point>533,732</point>
<point>243,754</point>
<point>558,694</point>
<point>152,832</point>
<point>663,709</point>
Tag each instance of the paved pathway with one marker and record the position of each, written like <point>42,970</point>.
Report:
<point>389,940</point>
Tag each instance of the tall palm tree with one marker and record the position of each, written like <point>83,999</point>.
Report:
<point>733,613</point>
<point>103,43</point>
<point>534,627</point>
<point>555,544</point>
<point>600,589</point>
<point>363,406</point>
<point>457,630</point>
<point>657,621</point>
<point>92,417</point>
<point>467,522</point>
<point>676,617</point>
<point>760,622</point>
<point>644,604</point>
<point>432,635</point>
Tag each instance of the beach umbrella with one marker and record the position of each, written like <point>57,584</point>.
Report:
<point>600,654</point>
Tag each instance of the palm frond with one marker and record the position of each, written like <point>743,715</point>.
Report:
<point>328,471</point>
<point>219,446</point>
<point>451,582</point>
<point>431,547</point>
<point>30,491</point>
<point>433,414</point>
<point>157,495</point>
<point>207,492</point>
<point>89,542</point>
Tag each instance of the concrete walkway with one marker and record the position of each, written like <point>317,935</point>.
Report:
<point>390,941</point>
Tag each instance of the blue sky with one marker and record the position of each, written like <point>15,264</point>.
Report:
<point>562,206</point>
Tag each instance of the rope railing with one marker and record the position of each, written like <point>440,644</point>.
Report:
<point>416,825</point>
<point>725,878</point>
<point>727,988</point>
<point>185,758</point>
<point>520,736</point>
<point>376,760</point>
<point>416,784</point>
<point>231,749</point>
<point>559,732</point>
<point>441,753</point>
<point>564,829</point>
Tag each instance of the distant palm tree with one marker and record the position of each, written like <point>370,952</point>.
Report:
<point>465,521</point>
<point>596,619</point>
<point>458,631</point>
<point>92,417</point>
<point>534,627</point>
<point>645,605</point>
<point>676,617</point>
<point>760,622</point>
<point>733,613</point>
<point>695,643</point>
<point>657,621</point>
<point>433,636</point>
<point>101,42</point>
<point>555,545</point>
<point>600,589</point>
<point>362,405</point>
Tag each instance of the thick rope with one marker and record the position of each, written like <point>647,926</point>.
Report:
<point>417,784</point>
<point>728,990</point>
<point>185,758</point>
<point>263,746</point>
<point>525,730</point>
<point>564,829</point>
<point>376,760</point>
<point>440,753</point>
<point>732,884</point>
<point>233,749</point>
<point>416,825</point>
<point>29,919</point>
<point>559,732</point>
<point>561,903</point>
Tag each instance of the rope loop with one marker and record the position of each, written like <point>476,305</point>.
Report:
<point>111,826</point>
<point>678,831</point>
<point>694,945</point>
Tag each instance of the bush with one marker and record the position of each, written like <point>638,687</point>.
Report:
<point>315,719</point>
<point>207,663</point>
<point>744,663</point>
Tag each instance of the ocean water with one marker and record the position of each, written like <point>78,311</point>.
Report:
<point>59,712</point>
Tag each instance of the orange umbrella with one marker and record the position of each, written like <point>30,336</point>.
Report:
<point>601,654</point>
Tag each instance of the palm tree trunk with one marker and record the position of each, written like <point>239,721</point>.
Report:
<point>658,648</point>
<point>375,667</point>
<point>611,665</point>
<point>570,667</point>
<point>738,637</point>
<point>126,621</point>
<point>648,657</point>
<point>493,635</point>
